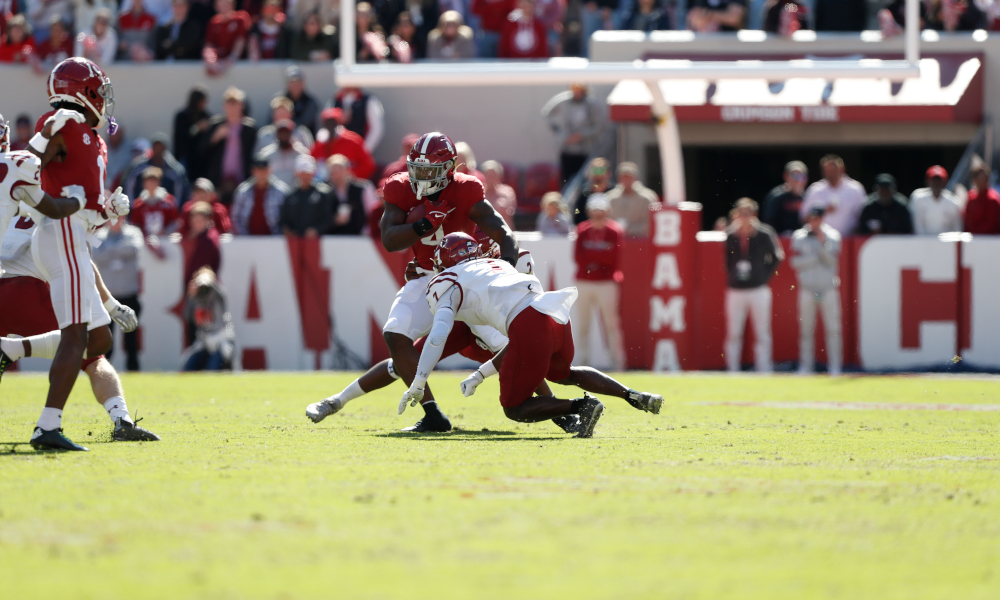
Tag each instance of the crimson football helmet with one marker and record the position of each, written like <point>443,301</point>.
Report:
<point>80,81</point>
<point>4,135</point>
<point>455,248</point>
<point>431,164</point>
<point>487,247</point>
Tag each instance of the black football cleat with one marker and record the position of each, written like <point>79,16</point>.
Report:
<point>53,439</point>
<point>5,362</point>
<point>126,431</point>
<point>568,423</point>
<point>646,401</point>
<point>590,412</point>
<point>433,422</point>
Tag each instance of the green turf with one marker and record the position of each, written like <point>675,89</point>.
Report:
<point>244,498</point>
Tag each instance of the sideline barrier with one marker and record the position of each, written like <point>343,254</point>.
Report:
<point>909,303</point>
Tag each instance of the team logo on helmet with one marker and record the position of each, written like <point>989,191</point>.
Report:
<point>454,249</point>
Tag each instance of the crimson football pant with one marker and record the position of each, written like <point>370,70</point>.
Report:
<point>539,349</point>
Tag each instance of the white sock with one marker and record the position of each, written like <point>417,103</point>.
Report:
<point>42,346</point>
<point>12,347</point>
<point>117,409</point>
<point>351,392</point>
<point>51,419</point>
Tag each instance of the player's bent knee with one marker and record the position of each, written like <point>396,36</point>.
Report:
<point>100,341</point>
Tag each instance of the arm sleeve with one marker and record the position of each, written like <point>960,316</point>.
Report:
<point>444,320</point>
<point>376,124</point>
<point>29,194</point>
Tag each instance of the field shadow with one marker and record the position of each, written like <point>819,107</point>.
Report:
<point>8,448</point>
<point>461,434</point>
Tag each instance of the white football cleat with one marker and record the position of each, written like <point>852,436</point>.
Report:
<point>318,411</point>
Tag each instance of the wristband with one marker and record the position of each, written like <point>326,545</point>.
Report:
<point>111,304</point>
<point>423,227</point>
<point>487,369</point>
<point>39,143</point>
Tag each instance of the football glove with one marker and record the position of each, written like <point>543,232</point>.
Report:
<point>413,396</point>
<point>471,382</point>
<point>436,214</point>
<point>116,205</point>
<point>63,116</point>
<point>123,315</point>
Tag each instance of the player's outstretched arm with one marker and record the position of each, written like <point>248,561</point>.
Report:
<point>53,208</point>
<point>397,234</point>
<point>444,320</point>
<point>489,220</point>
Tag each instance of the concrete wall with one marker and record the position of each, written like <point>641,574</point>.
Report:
<point>500,123</point>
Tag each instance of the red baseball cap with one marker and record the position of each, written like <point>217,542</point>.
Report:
<point>937,171</point>
<point>329,114</point>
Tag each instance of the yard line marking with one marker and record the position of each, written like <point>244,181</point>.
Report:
<point>826,405</point>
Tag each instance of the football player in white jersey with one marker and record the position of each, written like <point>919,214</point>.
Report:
<point>28,313</point>
<point>485,291</point>
<point>20,182</point>
<point>476,342</point>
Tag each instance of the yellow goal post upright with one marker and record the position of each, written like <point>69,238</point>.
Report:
<point>572,70</point>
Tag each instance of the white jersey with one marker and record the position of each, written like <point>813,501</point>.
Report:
<point>493,340</point>
<point>490,292</point>
<point>19,182</point>
<point>16,252</point>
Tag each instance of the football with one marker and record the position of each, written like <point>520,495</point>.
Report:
<point>416,213</point>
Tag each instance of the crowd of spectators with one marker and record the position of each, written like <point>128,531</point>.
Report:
<point>42,32</point>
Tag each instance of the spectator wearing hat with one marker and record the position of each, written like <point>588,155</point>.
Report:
<point>452,40</point>
<point>553,219</point>
<point>281,109</point>
<point>202,191</point>
<point>227,145</point>
<point>841,197</point>
<point>154,211</point>
<point>305,109</point>
<point>352,199</point>
<point>173,174</point>
<point>257,201</point>
<point>361,113</point>
<point>935,209</point>
<point>117,259</point>
<point>753,254</point>
<point>598,182</point>
<point>782,204</point>
<point>181,38</point>
<point>307,210</point>
<point>815,254</point>
<point>631,201</point>
<point>399,165</point>
<point>334,138</point>
<point>282,153</point>
<point>982,211</point>
<point>577,118</point>
<point>597,252</point>
<point>886,210</point>
<point>500,195</point>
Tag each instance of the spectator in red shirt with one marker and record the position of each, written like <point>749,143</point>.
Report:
<point>24,128</point>
<point>17,44</point>
<point>334,138</point>
<point>982,211</point>
<point>493,14</point>
<point>226,37</point>
<point>203,191</point>
<point>201,242</point>
<point>597,252</point>
<point>136,34</point>
<point>155,210</point>
<point>522,35</point>
<point>57,48</point>
<point>399,165</point>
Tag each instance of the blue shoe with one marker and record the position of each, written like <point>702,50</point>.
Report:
<point>53,439</point>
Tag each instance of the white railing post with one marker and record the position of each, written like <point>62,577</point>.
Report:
<point>348,32</point>
<point>912,31</point>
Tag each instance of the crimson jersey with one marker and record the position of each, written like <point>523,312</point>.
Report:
<point>85,164</point>
<point>156,217</point>
<point>462,194</point>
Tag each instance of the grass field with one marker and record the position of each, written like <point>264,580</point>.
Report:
<point>244,498</point>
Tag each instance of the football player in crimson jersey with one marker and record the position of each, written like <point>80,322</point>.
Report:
<point>478,343</point>
<point>423,205</point>
<point>74,164</point>
<point>485,291</point>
